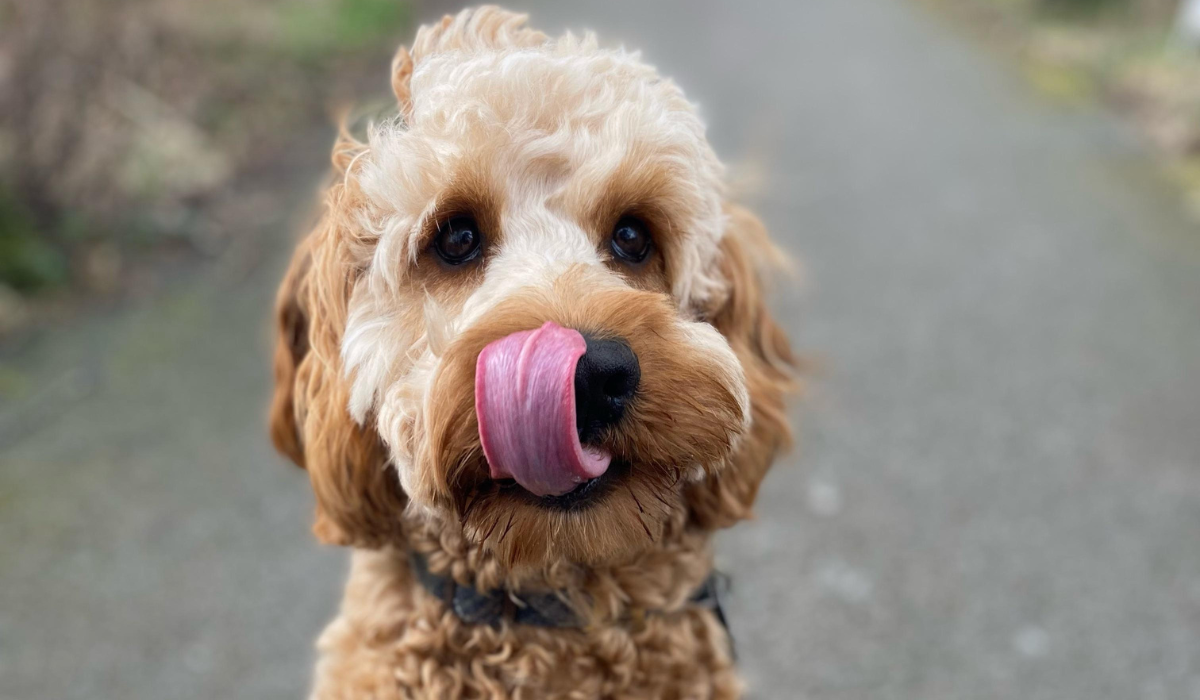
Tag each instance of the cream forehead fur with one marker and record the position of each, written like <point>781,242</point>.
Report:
<point>545,127</point>
<point>554,118</point>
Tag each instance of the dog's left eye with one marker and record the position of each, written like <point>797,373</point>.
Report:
<point>630,240</point>
<point>458,240</point>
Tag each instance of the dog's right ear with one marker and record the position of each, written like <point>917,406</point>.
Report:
<point>359,498</point>
<point>480,28</point>
<point>291,347</point>
<point>762,347</point>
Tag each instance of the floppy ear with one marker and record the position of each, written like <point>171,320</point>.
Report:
<point>291,347</point>
<point>475,29</point>
<point>720,500</point>
<point>359,499</point>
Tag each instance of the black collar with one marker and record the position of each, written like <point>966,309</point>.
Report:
<point>533,609</point>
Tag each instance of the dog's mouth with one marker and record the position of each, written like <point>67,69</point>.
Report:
<point>583,496</point>
<point>525,402</point>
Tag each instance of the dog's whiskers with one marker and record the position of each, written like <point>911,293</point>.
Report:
<point>491,529</point>
<point>506,528</point>
<point>644,526</point>
<point>462,519</point>
<point>635,498</point>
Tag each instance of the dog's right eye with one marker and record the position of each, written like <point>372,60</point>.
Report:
<point>458,240</point>
<point>631,240</point>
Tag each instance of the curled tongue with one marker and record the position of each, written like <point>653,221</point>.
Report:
<point>525,403</point>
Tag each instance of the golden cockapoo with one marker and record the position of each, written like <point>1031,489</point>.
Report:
<point>525,359</point>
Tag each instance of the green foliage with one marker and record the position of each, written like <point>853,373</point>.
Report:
<point>1152,12</point>
<point>312,30</point>
<point>1080,7</point>
<point>28,262</point>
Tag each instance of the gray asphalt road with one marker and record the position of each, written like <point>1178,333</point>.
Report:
<point>996,494</point>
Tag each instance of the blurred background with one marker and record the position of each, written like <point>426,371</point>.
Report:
<point>997,206</point>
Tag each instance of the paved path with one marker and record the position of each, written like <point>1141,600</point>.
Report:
<point>998,493</point>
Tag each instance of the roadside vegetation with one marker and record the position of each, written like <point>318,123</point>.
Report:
<point>1132,55</point>
<point>121,121</point>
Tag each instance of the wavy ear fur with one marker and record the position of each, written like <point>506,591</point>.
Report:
<point>291,347</point>
<point>766,356</point>
<point>359,499</point>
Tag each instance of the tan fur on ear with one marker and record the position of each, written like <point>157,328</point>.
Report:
<point>476,29</point>
<point>291,347</point>
<point>766,357</point>
<point>402,68</point>
<point>359,499</point>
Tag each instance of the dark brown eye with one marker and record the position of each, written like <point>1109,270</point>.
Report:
<point>458,240</point>
<point>630,240</point>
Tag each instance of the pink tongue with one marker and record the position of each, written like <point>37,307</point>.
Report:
<point>525,403</point>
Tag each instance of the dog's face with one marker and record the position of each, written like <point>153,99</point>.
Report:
<point>529,311</point>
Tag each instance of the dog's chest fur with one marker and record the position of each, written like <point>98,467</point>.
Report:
<point>393,639</point>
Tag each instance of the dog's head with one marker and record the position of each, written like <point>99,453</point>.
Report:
<point>529,310</point>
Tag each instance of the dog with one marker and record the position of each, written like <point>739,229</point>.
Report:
<point>525,359</point>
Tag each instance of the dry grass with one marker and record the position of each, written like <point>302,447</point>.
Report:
<point>121,119</point>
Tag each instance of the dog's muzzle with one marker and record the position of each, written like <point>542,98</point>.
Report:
<point>542,396</point>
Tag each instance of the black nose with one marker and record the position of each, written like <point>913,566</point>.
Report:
<point>606,378</point>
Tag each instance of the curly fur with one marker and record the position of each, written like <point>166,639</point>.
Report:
<point>546,143</point>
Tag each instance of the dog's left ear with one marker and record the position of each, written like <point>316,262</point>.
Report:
<point>747,256</point>
<point>474,29</point>
<point>359,498</point>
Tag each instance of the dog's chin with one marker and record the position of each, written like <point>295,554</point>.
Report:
<point>586,495</point>
<point>606,520</point>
